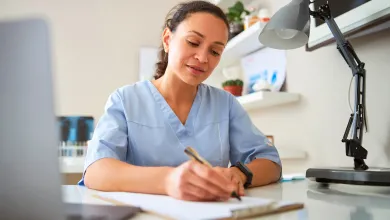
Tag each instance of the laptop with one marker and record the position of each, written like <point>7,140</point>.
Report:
<point>30,178</point>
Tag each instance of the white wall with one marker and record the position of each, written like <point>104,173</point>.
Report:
<point>95,45</point>
<point>318,122</point>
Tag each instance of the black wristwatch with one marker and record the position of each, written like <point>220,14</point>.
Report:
<point>246,171</point>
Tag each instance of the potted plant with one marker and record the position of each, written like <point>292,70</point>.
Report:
<point>235,15</point>
<point>233,86</point>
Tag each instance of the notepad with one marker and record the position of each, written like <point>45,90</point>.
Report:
<point>292,177</point>
<point>179,209</point>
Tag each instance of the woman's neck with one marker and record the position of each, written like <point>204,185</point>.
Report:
<point>174,90</point>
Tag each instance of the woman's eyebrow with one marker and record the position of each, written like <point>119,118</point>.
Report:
<point>202,36</point>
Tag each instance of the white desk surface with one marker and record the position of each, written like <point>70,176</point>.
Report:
<point>333,203</point>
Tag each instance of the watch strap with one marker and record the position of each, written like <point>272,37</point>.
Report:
<point>244,169</point>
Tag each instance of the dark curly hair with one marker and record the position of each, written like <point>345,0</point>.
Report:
<point>178,14</point>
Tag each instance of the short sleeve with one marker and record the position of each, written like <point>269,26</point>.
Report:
<point>110,135</point>
<point>246,141</point>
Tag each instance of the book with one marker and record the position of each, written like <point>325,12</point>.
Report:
<point>171,208</point>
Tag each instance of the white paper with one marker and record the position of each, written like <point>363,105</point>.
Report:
<point>179,209</point>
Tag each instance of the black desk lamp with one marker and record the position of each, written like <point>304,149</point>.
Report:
<point>289,28</point>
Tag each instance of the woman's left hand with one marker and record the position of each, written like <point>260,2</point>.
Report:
<point>233,175</point>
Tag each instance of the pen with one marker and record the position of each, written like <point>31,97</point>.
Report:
<point>194,155</point>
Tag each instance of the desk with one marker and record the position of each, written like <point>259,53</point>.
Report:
<point>333,203</point>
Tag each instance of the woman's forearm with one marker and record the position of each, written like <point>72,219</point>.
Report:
<point>264,171</point>
<point>109,174</point>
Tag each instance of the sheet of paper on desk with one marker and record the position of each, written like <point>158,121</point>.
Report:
<point>178,209</point>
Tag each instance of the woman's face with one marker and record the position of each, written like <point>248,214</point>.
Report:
<point>195,48</point>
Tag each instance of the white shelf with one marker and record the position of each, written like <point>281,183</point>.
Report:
<point>243,44</point>
<point>72,164</point>
<point>266,99</point>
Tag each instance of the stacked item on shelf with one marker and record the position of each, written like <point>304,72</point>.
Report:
<point>76,131</point>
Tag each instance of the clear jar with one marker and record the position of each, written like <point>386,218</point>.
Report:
<point>249,20</point>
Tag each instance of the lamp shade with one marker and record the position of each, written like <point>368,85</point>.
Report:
<point>289,28</point>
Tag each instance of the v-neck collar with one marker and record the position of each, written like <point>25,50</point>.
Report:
<point>170,115</point>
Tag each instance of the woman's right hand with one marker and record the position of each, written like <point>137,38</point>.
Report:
<point>197,182</point>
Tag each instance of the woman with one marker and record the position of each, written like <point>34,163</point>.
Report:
<point>138,144</point>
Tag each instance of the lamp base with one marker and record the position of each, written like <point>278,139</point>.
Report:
<point>346,175</point>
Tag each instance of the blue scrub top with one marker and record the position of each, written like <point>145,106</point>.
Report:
<point>139,127</point>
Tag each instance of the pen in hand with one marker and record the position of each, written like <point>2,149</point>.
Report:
<point>194,155</point>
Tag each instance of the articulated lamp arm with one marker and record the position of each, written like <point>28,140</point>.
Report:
<point>357,119</point>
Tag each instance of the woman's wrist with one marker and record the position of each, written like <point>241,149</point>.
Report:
<point>166,180</point>
<point>240,174</point>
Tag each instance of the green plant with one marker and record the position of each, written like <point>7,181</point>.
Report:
<point>236,12</point>
<point>233,82</point>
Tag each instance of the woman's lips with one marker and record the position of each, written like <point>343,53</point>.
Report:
<point>195,69</point>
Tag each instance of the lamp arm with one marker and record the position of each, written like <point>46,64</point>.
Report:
<point>357,119</point>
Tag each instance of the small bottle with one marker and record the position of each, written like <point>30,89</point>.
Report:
<point>247,21</point>
<point>264,15</point>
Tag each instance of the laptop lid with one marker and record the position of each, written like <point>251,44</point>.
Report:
<point>30,180</point>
